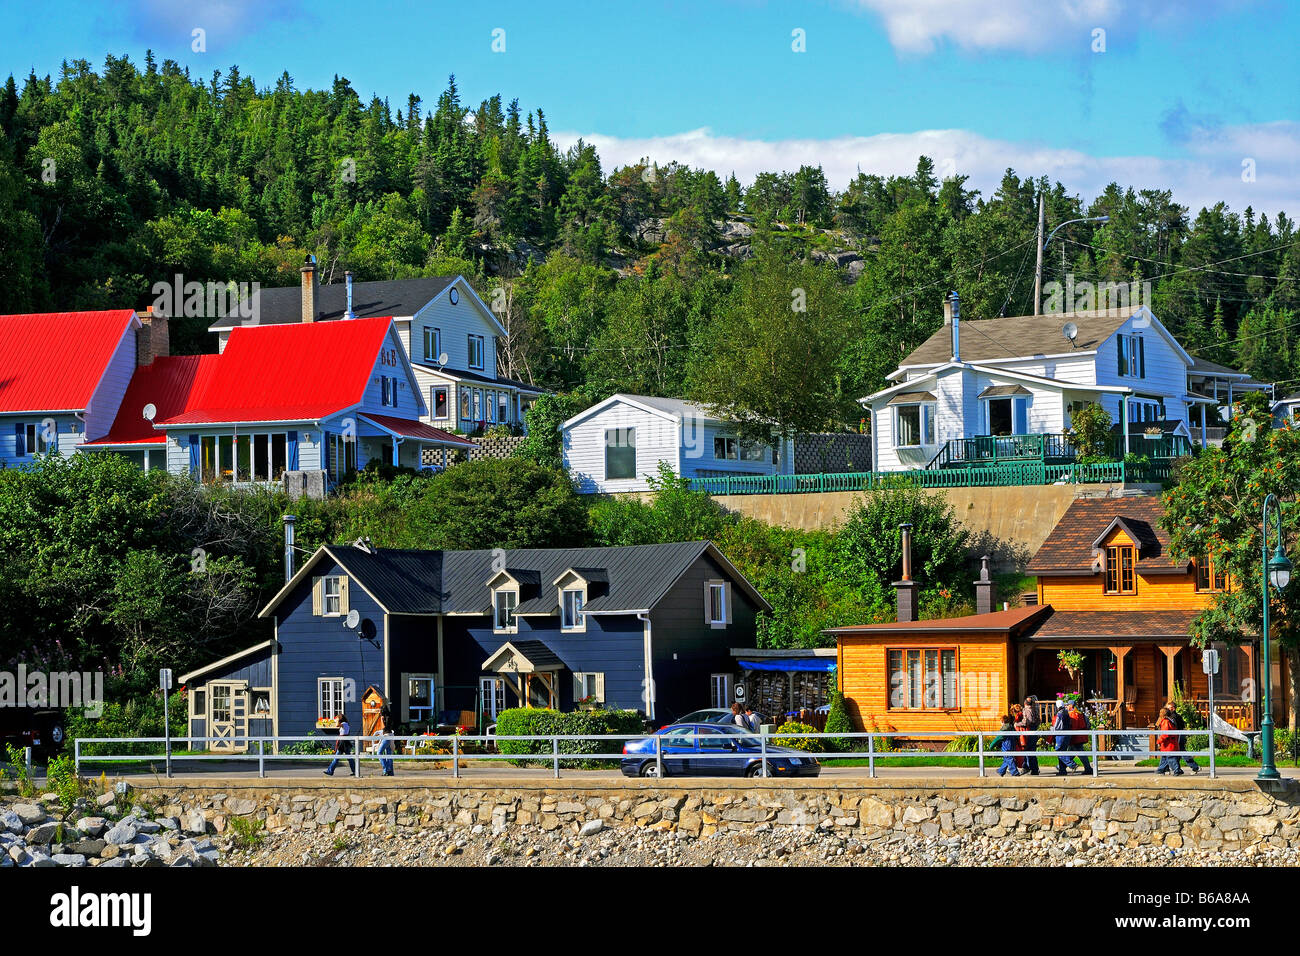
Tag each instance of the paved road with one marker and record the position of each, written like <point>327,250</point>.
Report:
<point>195,771</point>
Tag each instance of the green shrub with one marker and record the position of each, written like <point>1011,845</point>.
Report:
<point>839,722</point>
<point>61,777</point>
<point>247,832</point>
<point>140,716</point>
<point>17,759</point>
<point>538,721</point>
<point>811,744</point>
<point>966,743</point>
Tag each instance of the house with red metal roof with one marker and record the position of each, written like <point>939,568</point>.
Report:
<point>304,398</point>
<point>62,378</point>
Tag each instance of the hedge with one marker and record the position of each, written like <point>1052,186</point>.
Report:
<point>541,722</point>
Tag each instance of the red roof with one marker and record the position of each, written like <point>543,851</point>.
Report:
<point>406,428</point>
<point>998,621</point>
<point>168,384</point>
<point>53,361</point>
<point>283,373</point>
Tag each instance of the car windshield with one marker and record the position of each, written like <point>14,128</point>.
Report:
<point>745,738</point>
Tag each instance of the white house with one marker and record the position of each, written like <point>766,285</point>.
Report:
<point>62,378</point>
<point>448,332</point>
<point>976,381</point>
<point>616,444</point>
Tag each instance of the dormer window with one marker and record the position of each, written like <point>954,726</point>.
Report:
<point>1120,562</point>
<point>571,616</point>
<point>504,603</point>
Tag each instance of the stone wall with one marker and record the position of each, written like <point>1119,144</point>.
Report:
<point>1226,814</point>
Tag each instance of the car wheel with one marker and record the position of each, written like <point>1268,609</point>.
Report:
<point>56,735</point>
<point>651,769</point>
<point>756,770</point>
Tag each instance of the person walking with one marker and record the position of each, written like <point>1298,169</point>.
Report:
<point>1029,742</point>
<point>1179,724</point>
<point>342,748</point>
<point>1016,712</point>
<point>385,741</point>
<point>1060,725</point>
<point>753,719</point>
<point>738,716</point>
<point>1079,721</point>
<point>1165,743</point>
<point>1006,741</point>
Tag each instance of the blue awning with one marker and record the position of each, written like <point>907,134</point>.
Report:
<point>819,665</point>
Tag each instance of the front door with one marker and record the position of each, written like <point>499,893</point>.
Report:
<point>492,694</point>
<point>228,716</point>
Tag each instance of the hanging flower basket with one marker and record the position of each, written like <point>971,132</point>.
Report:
<point>1071,662</point>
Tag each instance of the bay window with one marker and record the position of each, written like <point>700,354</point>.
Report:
<point>914,424</point>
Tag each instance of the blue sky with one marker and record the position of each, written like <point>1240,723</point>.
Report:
<point>1182,94</point>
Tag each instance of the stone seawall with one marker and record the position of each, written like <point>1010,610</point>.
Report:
<point>1230,815</point>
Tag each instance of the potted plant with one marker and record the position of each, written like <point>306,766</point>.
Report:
<point>1071,662</point>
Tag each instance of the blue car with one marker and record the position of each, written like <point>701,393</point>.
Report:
<point>718,750</point>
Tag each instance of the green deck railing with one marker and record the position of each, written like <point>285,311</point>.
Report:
<point>1001,475</point>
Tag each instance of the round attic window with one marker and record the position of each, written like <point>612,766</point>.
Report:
<point>454,295</point>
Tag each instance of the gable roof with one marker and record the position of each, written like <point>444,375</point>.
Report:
<point>673,409</point>
<point>284,373</point>
<point>168,384</point>
<point>1070,546</point>
<point>393,297</point>
<point>1019,336</point>
<point>455,582</point>
<point>53,361</point>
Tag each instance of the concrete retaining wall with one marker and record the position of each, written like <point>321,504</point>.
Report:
<point>1231,814</point>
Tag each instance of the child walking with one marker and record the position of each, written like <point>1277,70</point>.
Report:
<point>1007,741</point>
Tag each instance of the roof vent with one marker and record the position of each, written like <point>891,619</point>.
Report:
<point>364,544</point>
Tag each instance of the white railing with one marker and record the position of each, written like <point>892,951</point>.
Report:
<point>268,749</point>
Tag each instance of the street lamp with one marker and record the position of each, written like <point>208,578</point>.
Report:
<point>1043,243</point>
<point>1277,571</point>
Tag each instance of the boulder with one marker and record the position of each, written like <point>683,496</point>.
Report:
<point>41,835</point>
<point>29,813</point>
<point>69,859</point>
<point>122,834</point>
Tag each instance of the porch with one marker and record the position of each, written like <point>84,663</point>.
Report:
<point>1134,680</point>
<point>984,451</point>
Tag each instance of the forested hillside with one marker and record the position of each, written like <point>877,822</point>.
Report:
<point>649,279</point>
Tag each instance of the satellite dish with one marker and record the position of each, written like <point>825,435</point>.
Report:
<point>150,412</point>
<point>443,358</point>
<point>352,620</point>
<point>368,629</point>
<point>1070,331</point>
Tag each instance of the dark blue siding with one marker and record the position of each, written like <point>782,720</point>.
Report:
<point>313,647</point>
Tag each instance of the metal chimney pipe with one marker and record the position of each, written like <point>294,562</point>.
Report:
<point>956,326</point>
<point>288,548</point>
<point>907,551</point>
<point>349,314</point>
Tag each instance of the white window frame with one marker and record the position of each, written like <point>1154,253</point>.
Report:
<point>34,437</point>
<point>926,412</point>
<point>433,402</point>
<point>728,445</point>
<point>336,580</point>
<point>724,588</point>
<point>407,679</point>
<point>591,684</point>
<point>577,621</point>
<point>432,336</point>
<point>720,690</point>
<point>612,435</point>
<point>512,622</point>
<point>476,346</point>
<point>334,703</point>
<point>464,401</point>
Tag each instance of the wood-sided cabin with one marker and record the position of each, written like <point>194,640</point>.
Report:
<point>1108,588</point>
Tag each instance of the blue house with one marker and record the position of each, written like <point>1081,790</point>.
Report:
<point>458,636</point>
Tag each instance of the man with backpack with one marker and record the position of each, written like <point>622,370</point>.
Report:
<point>1079,721</point>
<point>1060,724</point>
<point>1176,719</point>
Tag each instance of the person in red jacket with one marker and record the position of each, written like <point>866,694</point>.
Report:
<point>1079,742</point>
<point>1165,743</point>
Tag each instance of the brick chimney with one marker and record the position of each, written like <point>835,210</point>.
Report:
<point>310,288</point>
<point>905,589</point>
<point>984,589</point>
<point>153,338</point>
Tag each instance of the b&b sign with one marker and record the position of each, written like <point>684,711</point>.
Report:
<point>1210,661</point>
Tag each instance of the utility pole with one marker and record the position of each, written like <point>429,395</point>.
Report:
<point>1038,269</point>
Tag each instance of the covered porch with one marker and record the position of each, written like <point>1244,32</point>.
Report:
<point>522,674</point>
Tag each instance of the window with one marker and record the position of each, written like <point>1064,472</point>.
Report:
<point>329,698</point>
<point>752,451</point>
<point>1120,559</point>
<point>503,407</point>
<point>464,403</point>
<point>388,391</point>
<point>719,690</point>
<point>222,704</point>
<point>620,453</point>
<point>476,351</point>
<point>490,406</point>
<point>571,616</point>
<point>419,697</point>
<point>478,405</point>
<point>1234,673</point>
<point>1132,353</point>
<point>503,610</point>
<point>332,595</point>
<point>432,345</point>
<point>342,455</point>
<point>717,606</point>
<point>914,425</point>
<point>923,678</point>
<point>493,692</point>
<point>1008,416</point>
<point>32,440</point>
<point>588,688</point>
<point>726,448</point>
<point>438,401</point>
<point>1209,577</point>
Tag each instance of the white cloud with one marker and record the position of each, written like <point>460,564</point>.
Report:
<point>1027,26</point>
<point>1210,169</point>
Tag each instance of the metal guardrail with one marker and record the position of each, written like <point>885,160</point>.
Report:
<point>1002,474</point>
<point>456,755</point>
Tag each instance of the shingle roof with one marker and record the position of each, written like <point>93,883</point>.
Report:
<point>1102,625</point>
<point>448,582</point>
<point>1011,621</point>
<point>1069,547</point>
<point>985,340</point>
<point>300,372</point>
<point>464,375</point>
<point>53,361</point>
<point>396,297</point>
